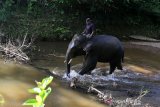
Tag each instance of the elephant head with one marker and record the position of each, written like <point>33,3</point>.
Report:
<point>75,48</point>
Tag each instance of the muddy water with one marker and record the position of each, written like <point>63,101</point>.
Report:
<point>141,71</point>
<point>15,80</point>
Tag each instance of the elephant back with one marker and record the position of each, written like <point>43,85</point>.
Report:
<point>103,40</point>
<point>105,44</point>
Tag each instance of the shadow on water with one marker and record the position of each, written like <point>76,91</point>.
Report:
<point>141,71</point>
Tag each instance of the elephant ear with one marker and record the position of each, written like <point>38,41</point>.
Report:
<point>75,36</point>
<point>88,48</point>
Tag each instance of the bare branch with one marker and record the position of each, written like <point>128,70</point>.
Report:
<point>14,48</point>
<point>24,40</point>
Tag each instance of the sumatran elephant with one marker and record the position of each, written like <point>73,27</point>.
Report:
<point>100,48</point>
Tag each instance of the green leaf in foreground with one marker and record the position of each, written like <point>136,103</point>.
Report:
<point>41,93</point>
<point>1,99</point>
<point>46,81</point>
<point>30,102</point>
<point>35,90</point>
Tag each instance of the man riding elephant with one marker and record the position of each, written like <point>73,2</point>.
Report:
<point>89,28</point>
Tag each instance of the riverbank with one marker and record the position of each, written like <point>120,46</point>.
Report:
<point>153,47</point>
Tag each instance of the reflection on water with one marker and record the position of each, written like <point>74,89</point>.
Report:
<point>44,56</point>
<point>16,79</point>
<point>145,59</point>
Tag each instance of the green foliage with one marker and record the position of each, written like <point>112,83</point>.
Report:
<point>37,7</point>
<point>148,5</point>
<point>42,90</point>
<point>60,19</point>
<point>30,6</point>
<point>1,99</point>
<point>5,10</point>
<point>60,33</point>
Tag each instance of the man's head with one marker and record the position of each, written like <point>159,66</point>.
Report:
<point>88,20</point>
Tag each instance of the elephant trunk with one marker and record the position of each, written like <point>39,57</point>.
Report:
<point>68,69</point>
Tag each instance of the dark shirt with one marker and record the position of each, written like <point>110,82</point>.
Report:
<point>90,27</point>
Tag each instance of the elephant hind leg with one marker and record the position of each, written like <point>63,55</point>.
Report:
<point>112,68</point>
<point>119,66</point>
<point>89,65</point>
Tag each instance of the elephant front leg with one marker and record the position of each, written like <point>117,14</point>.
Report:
<point>89,64</point>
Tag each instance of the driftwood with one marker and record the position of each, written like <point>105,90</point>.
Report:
<point>15,48</point>
<point>107,98</point>
<point>128,102</point>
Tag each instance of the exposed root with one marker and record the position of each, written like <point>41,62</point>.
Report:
<point>128,102</point>
<point>14,49</point>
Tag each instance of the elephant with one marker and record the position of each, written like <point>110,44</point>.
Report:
<point>99,48</point>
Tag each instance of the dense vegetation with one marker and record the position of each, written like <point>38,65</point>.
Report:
<point>60,19</point>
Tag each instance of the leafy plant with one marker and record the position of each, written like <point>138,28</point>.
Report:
<point>41,91</point>
<point>1,99</point>
<point>61,32</point>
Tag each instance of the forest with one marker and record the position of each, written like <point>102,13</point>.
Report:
<point>61,19</point>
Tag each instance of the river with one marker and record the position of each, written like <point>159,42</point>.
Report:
<point>141,71</point>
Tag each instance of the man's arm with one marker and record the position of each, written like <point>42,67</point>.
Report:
<point>93,31</point>
<point>91,35</point>
<point>84,31</point>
